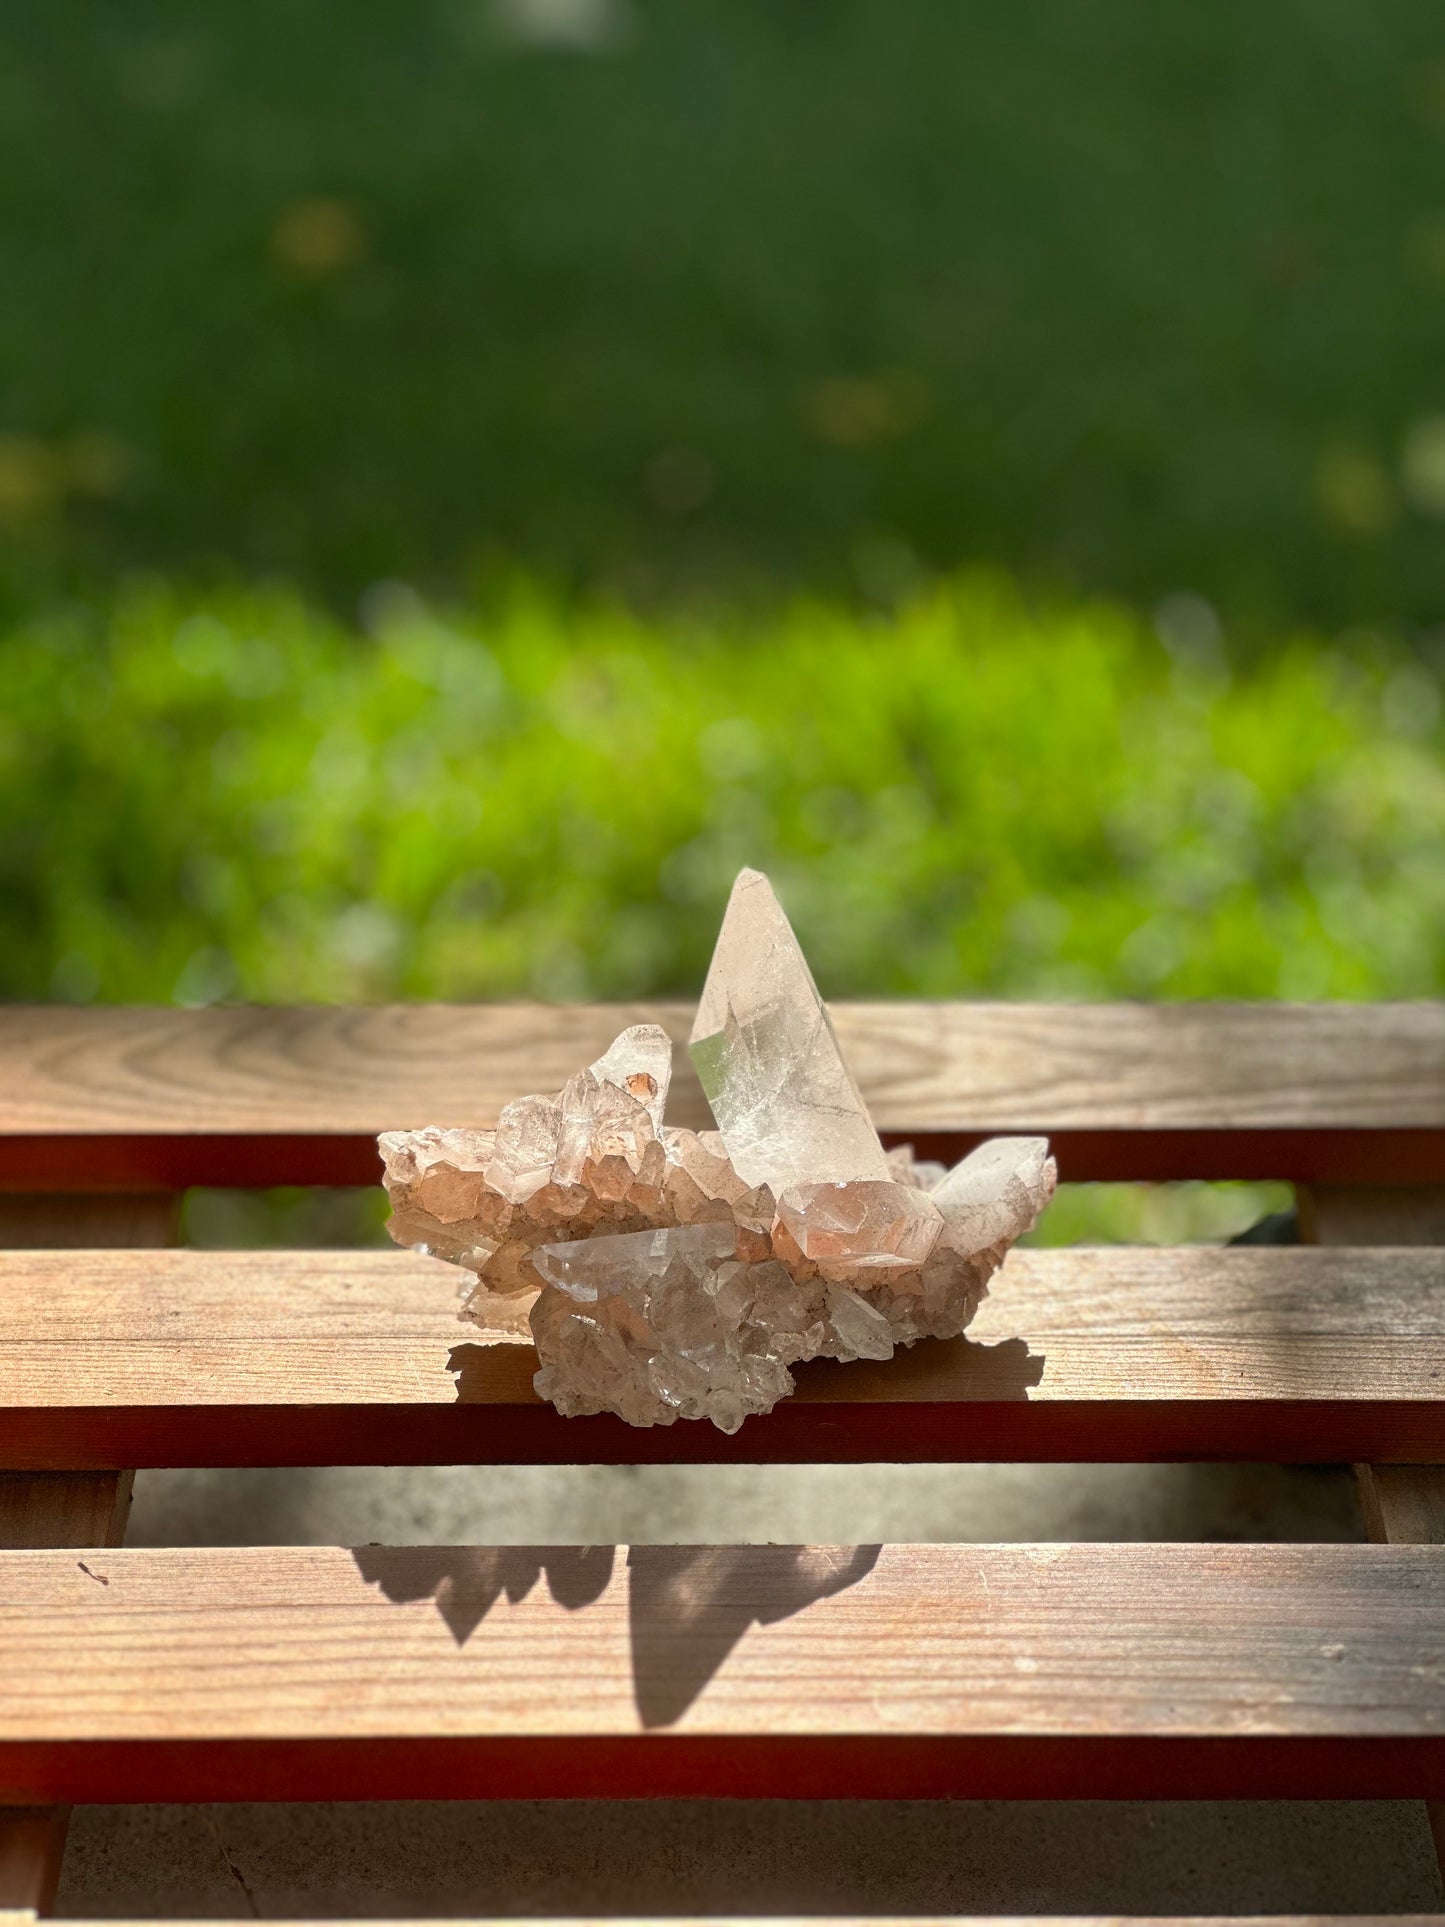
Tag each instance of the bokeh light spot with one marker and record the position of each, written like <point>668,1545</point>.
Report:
<point>678,481</point>
<point>856,411</point>
<point>567,26</point>
<point>30,481</point>
<point>1422,465</point>
<point>319,236</point>
<point>1354,491</point>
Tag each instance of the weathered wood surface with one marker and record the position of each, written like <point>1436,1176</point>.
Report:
<point>879,1920</point>
<point>247,1095</point>
<point>1402,1504</point>
<point>63,1508</point>
<point>202,1358</point>
<point>50,1509</point>
<point>1025,1671</point>
<point>1405,1505</point>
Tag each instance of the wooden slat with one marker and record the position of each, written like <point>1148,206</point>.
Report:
<point>251,1096</point>
<point>79,1509</point>
<point>1405,1505</point>
<point>906,1671</point>
<point>291,1358</point>
<point>1402,1504</point>
<point>50,1509</point>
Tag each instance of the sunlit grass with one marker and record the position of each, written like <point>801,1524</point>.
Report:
<point>293,1216</point>
<point>233,795</point>
<point>1157,1214</point>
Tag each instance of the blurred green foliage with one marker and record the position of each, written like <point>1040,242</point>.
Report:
<point>660,294</point>
<point>1157,1214</point>
<point>237,795</point>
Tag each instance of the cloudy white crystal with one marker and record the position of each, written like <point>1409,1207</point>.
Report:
<point>658,1325</point>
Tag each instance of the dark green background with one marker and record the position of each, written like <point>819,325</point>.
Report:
<point>1131,297</point>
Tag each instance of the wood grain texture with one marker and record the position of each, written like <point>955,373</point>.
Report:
<point>247,1095</point>
<point>50,1509</point>
<point>1405,1505</point>
<point>883,1920</point>
<point>290,1358</point>
<point>63,1508</point>
<point>1402,1504</point>
<point>911,1671</point>
<point>74,1509</point>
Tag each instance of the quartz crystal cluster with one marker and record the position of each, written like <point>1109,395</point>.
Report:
<point>666,1273</point>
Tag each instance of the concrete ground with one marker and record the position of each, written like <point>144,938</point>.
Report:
<point>743,1857</point>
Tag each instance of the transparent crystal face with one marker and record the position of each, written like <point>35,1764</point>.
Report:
<point>590,1268</point>
<point>785,1102</point>
<point>867,1223</point>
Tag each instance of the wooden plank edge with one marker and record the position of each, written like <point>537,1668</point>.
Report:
<point>1102,1432</point>
<point>841,1920</point>
<point>80,1508</point>
<point>1403,1504</point>
<point>669,1766</point>
<point>130,1162</point>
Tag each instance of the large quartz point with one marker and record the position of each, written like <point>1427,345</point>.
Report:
<point>785,1102</point>
<point>666,1273</point>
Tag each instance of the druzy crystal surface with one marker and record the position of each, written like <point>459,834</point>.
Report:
<point>666,1273</point>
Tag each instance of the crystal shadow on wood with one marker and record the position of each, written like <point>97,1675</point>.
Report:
<point>688,1606</point>
<point>938,1401</point>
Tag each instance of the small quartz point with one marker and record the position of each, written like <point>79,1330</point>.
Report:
<point>995,1195</point>
<point>640,1063</point>
<point>666,1273</point>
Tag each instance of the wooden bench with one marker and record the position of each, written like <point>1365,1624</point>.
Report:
<point>1009,1670</point>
